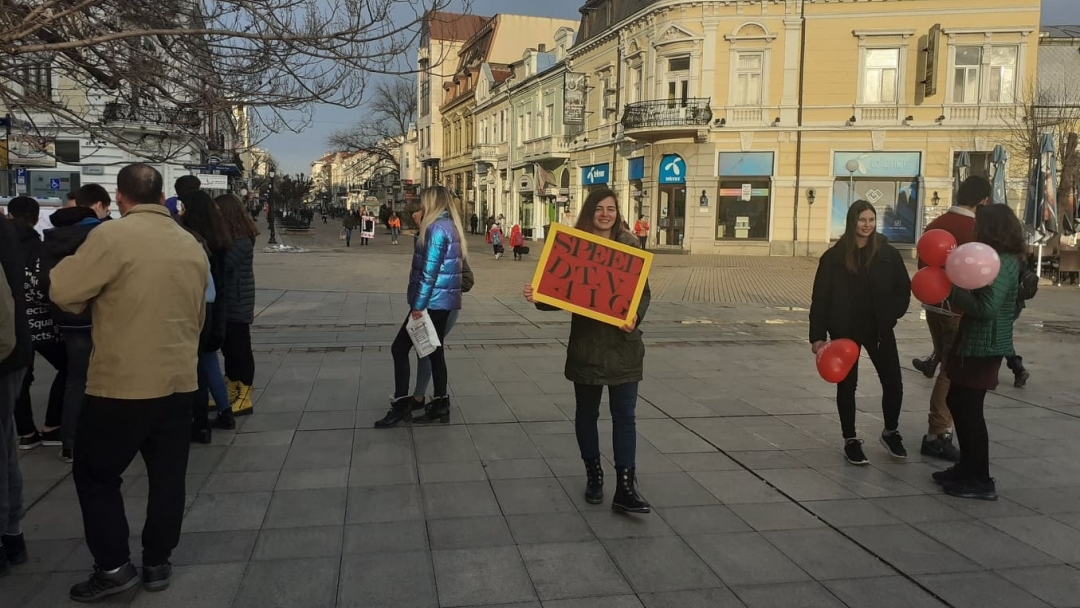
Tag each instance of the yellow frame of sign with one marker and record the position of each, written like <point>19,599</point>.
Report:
<point>639,289</point>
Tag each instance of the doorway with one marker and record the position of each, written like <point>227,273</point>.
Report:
<point>672,215</point>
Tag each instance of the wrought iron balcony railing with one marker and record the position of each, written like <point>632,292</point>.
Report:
<point>150,114</point>
<point>691,112</point>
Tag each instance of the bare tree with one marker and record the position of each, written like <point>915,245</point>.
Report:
<point>180,63</point>
<point>292,189</point>
<point>390,113</point>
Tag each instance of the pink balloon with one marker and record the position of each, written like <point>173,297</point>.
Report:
<point>973,265</point>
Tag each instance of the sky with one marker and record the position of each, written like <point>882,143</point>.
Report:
<point>296,151</point>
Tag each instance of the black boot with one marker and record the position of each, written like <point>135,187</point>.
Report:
<point>15,549</point>
<point>400,411</point>
<point>225,420</point>
<point>594,483</point>
<point>437,411</point>
<point>201,434</point>
<point>626,497</point>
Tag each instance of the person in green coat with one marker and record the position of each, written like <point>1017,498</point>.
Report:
<point>984,339</point>
<point>349,224</point>
<point>602,355</point>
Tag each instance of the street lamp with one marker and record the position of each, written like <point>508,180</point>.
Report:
<point>270,208</point>
<point>852,166</point>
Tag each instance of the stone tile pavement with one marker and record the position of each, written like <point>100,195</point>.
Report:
<point>738,450</point>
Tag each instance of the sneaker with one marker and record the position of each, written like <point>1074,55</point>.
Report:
<point>1021,378</point>
<point>51,439</point>
<point>941,446</point>
<point>952,474</point>
<point>854,453</point>
<point>972,488</point>
<point>102,584</point>
<point>30,441</point>
<point>156,578</point>
<point>65,455</point>
<point>894,443</point>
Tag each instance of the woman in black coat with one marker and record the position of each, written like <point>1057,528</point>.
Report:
<point>861,289</point>
<point>240,292</point>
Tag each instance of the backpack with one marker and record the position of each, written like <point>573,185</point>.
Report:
<point>1028,284</point>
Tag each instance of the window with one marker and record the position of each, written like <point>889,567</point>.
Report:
<point>636,92</point>
<point>743,208</point>
<point>67,150</point>
<point>748,71</point>
<point>1002,87</point>
<point>521,129</point>
<point>38,80</point>
<point>880,75</point>
<point>483,131</point>
<point>966,74</point>
<point>502,122</point>
<point>678,81</point>
<point>425,88</point>
<point>528,126</point>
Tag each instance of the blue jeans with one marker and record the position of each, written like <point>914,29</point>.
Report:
<point>623,401</point>
<point>348,236</point>
<point>423,366</point>
<point>394,232</point>
<point>210,370</point>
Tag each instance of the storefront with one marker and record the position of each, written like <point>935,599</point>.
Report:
<point>887,180</point>
<point>526,188</point>
<point>744,199</point>
<point>594,177</point>
<point>635,174</point>
<point>671,198</point>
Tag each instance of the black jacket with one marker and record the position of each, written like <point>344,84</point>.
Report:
<point>11,258</point>
<point>240,281</point>
<point>35,285</point>
<point>835,306</point>
<point>70,227</point>
<point>213,331</point>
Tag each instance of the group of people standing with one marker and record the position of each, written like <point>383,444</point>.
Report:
<point>862,289</point>
<point>362,219</point>
<point>145,291</point>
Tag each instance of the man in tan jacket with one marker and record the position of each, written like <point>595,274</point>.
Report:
<point>144,279</point>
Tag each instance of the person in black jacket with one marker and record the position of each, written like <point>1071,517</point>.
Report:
<point>861,289</point>
<point>24,213</point>
<point>240,293</point>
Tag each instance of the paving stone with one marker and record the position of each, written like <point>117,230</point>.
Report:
<point>850,513</point>
<point>269,421</point>
<point>19,588</point>
<point>206,586</point>
<point>776,516</point>
<point>918,509</point>
<point>697,598</point>
<point>806,484</point>
<point>572,570</point>
<point>299,543</point>
<point>660,564</point>
<point>674,490</point>
<point>523,496</point>
<point>607,524</point>
<point>909,550</point>
<point>707,519</point>
<point>383,475</point>
<point>712,461</point>
<point>45,556</point>
<point>376,581</point>
<point>215,547</point>
<point>316,421</point>
<point>477,576</point>
<point>312,479</point>
<point>737,487</point>
<point>382,504</point>
<point>985,545</point>
<point>459,499</point>
<point>745,559</point>
<point>264,438</point>
<point>243,459</point>
<point>803,595</point>
<point>886,592</point>
<point>1049,536</point>
<point>385,537</point>
<point>467,532</point>
<point>452,471</point>
<point>527,468</point>
<point>612,601</point>
<point>254,481</point>
<point>278,584</point>
<point>304,508</point>
<point>825,554</point>
<point>220,512</point>
<point>1058,586</point>
<point>979,590</point>
<point>544,528</point>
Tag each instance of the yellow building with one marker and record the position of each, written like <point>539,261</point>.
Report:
<point>718,120</point>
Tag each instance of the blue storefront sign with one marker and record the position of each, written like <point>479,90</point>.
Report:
<point>635,168</point>
<point>745,164</point>
<point>887,180</point>
<point>672,169</point>
<point>595,174</point>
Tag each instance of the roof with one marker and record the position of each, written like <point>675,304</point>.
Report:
<point>1059,74</point>
<point>453,26</point>
<point>1061,31</point>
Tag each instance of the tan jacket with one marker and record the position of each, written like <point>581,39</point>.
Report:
<point>144,279</point>
<point>7,319</point>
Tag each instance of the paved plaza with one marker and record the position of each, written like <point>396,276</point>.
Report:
<point>306,505</point>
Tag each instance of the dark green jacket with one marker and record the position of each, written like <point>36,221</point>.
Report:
<point>602,354</point>
<point>987,328</point>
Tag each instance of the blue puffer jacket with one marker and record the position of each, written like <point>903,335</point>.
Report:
<point>435,280</point>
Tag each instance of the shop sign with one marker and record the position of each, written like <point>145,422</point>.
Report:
<point>672,169</point>
<point>745,164</point>
<point>592,276</point>
<point>574,99</point>
<point>635,168</point>
<point>525,183</point>
<point>878,164</point>
<point>594,174</point>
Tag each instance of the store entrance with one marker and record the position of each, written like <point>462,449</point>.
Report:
<point>672,215</point>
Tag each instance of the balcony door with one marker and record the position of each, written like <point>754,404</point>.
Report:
<point>678,82</point>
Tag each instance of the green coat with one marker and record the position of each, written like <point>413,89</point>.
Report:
<point>349,222</point>
<point>987,328</point>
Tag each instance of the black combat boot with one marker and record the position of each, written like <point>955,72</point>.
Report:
<point>437,411</point>
<point>594,484</point>
<point>626,497</point>
<point>400,411</point>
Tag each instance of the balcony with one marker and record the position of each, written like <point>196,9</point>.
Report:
<point>879,115</point>
<point>555,147</point>
<point>979,114</point>
<point>488,153</point>
<point>666,118</point>
<point>156,115</point>
<point>750,116</point>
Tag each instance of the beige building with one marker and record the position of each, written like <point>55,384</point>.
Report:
<point>719,120</point>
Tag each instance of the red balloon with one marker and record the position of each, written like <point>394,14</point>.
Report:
<point>836,358</point>
<point>931,285</point>
<point>935,246</point>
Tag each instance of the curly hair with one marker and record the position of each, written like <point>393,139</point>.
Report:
<point>998,226</point>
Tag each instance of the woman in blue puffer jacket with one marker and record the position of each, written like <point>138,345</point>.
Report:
<point>434,287</point>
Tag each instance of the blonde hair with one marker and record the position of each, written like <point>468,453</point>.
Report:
<point>433,201</point>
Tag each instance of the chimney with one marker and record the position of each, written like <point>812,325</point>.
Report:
<point>542,48</point>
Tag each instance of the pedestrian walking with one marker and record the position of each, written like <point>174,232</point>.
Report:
<point>474,223</point>
<point>495,237</point>
<point>348,224</point>
<point>435,289</point>
<point>517,241</point>
<point>602,355</point>
<point>367,226</point>
<point>145,281</point>
<point>24,214</point>
<point>860,291</point>
<point>641,229</point>
<point>395,228</point>
<point>16,354</point>
<point>240,313</point>
<point>984,338</point>
<point>71,226</point>
<point>423,364</point>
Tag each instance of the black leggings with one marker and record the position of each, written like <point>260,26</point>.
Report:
<point>886,361</point>
<point>400,350</point>
<point>966,405</point>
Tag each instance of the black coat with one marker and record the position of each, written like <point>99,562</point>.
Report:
<point>240,281</point>
<point>11,258</point>
<point>35,285</point>
<point>71,225</point>
<point>834,306</point>
<point>213,331</point>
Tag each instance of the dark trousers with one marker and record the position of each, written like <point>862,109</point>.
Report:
<point>1015,363</point>
<point>886,361</point>
<point>56,354</point>
<point>643,241</point>
<point>623,401</point>
<point>79,344</point>
<point>400,351</point>
<point>966,405</point>
<point>111,432</point>
<point>239,360</point>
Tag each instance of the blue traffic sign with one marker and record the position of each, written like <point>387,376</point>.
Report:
<point>54,183</point>
<point>20,177</point>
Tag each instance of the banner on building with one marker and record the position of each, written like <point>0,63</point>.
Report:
<point>591,276</point>
<point>574,99</point>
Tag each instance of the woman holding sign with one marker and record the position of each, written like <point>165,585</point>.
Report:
<point>861,289</point>
<point>434,290</point>
<point>602,355</point>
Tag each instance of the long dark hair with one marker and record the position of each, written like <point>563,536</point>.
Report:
<point>998,227</point>
<point>237,220</point>
<point>202,217</point>
<point>847,242</point>
<point>588,212</point>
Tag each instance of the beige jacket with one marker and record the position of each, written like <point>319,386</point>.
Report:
<point>144,279</point>
<point>7,319</point>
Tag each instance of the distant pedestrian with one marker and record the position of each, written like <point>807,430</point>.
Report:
<point>474,223</point>
<point>240,314</point>
<point>348,225</point>
<point>495,237</point>
<point>860,291</point>
<point>517,241</point>
<point>641,229</point>
<point>395,228</point>
<point>367,226</point>
<point>145,281</point>
<point>434,288</point>
<point>602,355</point>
